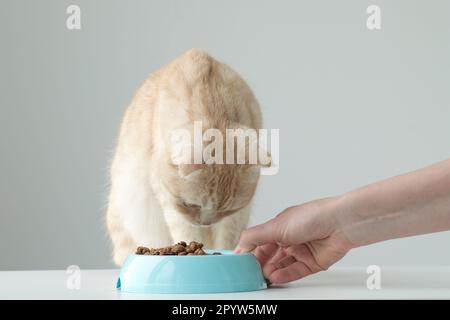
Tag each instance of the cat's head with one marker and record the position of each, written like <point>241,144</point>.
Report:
<point>205,194</point>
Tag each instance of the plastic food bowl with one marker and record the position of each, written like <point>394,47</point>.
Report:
<point>228,272</point>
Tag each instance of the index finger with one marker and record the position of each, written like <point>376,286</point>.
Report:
<point>267,232</point>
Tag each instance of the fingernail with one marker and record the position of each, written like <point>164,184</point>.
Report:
<point>237,250</point>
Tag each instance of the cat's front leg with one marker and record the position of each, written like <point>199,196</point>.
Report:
<point>226,233</point>
<point>123,243</point>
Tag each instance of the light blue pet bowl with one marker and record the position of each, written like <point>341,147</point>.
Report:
<point>228,272</point>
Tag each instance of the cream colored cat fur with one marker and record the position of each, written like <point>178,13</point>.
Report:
<point>153,202</point>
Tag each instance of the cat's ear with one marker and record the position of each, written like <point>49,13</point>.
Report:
<point>189,170</point>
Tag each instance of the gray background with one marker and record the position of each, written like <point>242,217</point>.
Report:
<point>352,105</point>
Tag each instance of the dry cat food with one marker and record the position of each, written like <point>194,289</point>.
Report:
<point>179,249</point>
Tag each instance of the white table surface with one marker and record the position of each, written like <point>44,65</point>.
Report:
<point>336,283</point>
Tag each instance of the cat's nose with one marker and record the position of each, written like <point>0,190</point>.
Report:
<point>208,220</point>
<point>205,222</point>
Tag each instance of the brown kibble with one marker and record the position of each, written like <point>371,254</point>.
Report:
<point>199,252</point>
<point>178,248</point>
<point>165,251</point>
<point>142,250</point>
<point>194,246</point>
<point>181,249</point>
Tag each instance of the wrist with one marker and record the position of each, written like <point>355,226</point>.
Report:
<point>362,221</point>
<point>367,218</point>
<point>339,215</point>
<point>347,219</point>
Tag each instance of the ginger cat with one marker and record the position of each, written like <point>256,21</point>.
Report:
<point>152,201</point>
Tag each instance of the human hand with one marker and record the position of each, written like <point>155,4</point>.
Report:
<point>311,237</point>
<point>299,241</point>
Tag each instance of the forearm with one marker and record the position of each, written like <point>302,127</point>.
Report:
<point>410,204</point>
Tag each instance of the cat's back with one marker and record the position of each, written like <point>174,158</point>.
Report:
<point>195,86</point>
<point>211,91</point>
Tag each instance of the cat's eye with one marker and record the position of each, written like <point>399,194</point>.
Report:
<point>190,205</point>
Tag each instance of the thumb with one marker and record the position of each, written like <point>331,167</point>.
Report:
<point>268,232</point>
